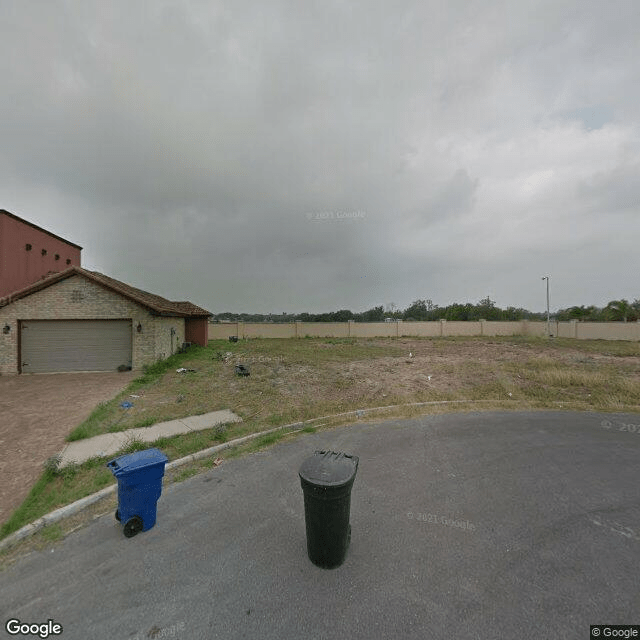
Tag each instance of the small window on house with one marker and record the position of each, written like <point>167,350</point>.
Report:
<point>44,252</point>
<point>57,256</point>
<point>76,296</point>
<point>28,247</point>
<point>68,261</point>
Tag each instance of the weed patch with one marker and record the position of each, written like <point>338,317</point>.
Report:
<point>296,380</point>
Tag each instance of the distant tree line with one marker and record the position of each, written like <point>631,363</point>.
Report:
<point>615,311</point>
<point>486,309</point>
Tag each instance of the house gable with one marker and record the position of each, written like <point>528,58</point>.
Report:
<point>79,298</point>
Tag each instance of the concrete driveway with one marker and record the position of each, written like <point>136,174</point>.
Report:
<point>37,412</point>
<point>473,526</point>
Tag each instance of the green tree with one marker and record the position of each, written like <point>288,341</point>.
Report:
<point>573,313</point>
<point>417,310</point>
<point>619,310</point>
<point>512,314</point>
<point>342,315</point>
<point>578,313</point>
<point>486,310</point>
<point>373,315</point>
<point>459,312</point>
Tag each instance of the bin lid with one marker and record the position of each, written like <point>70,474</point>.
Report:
<point>329,468</point>
<point>135,461</point>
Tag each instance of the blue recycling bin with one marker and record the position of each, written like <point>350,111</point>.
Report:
<point>139,477</point>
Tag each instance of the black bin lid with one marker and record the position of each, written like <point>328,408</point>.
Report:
<point>329,469</point>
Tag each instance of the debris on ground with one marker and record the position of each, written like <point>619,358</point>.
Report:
<point>217,462</point>
<point>180,398</point>
<point>360,413</point>
<point>126,404</point>
<point>233,338</point>
<point>241,370</point>
<point>183,370</point>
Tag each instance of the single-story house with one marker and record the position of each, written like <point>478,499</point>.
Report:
<point>80,320</point>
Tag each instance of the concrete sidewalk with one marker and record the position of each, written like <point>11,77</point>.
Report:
<point>110,443</point>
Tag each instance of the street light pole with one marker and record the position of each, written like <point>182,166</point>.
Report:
<point>548,328</point>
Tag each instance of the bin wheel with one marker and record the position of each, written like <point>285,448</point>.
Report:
<point>118,515</point>
<point>133,526</point>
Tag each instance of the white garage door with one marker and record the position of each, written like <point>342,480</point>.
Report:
<point>74,345</point>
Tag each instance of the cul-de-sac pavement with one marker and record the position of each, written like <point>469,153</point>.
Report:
<point>475,525</point>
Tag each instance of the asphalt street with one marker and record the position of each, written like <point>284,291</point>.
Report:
<point>476,525</point>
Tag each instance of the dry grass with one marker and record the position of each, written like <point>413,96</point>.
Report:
<point>293,380</point>
<point>296,380</point>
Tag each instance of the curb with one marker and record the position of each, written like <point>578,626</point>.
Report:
<point>75,507</point>
<point>55,516</point>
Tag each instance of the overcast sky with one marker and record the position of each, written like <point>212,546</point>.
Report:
<point>313,156</point>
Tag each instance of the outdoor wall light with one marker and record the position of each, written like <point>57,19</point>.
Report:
<point>6,329</point>
<point>139,328</point>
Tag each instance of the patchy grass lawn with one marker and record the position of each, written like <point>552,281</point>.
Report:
<point>294,380</point>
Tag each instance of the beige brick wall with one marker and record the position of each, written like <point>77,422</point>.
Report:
<point>461,328</point>
<point>255,330</point>
<point>374,329</point>
<point>421,328</point>
<point>167,342</point>
<point>497,328</point>
<point>321,329</point>
<point>77,298</point>
<point>222,330</point>
<point>580,330</point>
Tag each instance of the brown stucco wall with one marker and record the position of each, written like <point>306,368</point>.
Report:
<point>18,267</point>
<point>196,331</point>
<point>77,298</point>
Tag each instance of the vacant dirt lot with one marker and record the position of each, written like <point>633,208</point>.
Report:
<point>37,412</point>
<point>293,380</point>
<point>443,370</point>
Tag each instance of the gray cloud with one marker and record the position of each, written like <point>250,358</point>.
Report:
<point>183,145</point>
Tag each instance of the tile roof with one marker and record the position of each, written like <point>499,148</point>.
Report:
<point>156,304</point>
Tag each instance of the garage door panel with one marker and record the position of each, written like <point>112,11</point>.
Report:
<point>79,345</point>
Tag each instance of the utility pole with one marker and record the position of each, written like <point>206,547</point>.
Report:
<point>548,326</point>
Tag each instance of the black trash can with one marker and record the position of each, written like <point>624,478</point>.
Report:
<point>327,478</point>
